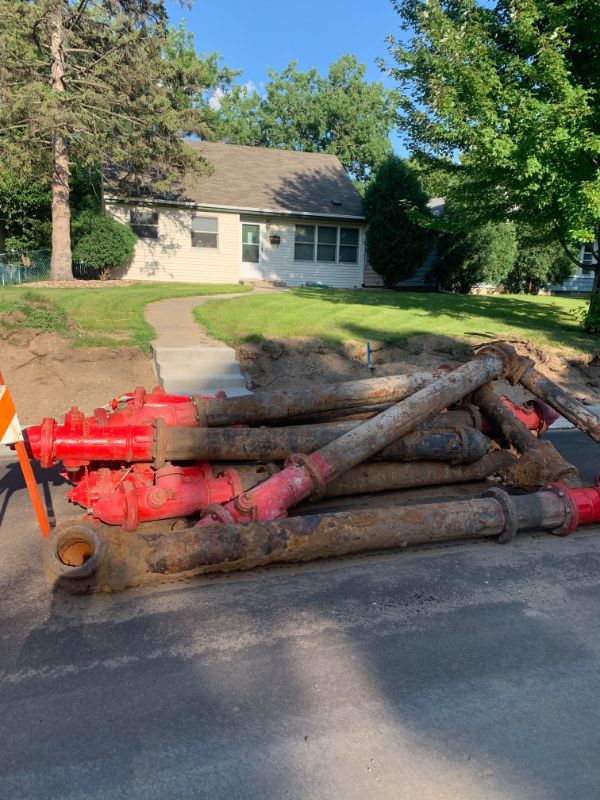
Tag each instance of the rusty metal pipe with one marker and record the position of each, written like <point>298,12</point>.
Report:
<point>270,406</point>
<point>388,477</point>
<point>80,558</point>
<point>276,444</point>
<point>305,475</point>
<point>375,434</point>
<point>561,401</point>
<point>519,369</point>
<point>540,462</point>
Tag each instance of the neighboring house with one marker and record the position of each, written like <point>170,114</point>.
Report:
<point>262,215</point>
<point>582,281</point>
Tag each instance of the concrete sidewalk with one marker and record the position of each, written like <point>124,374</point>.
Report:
<point>186,359</point>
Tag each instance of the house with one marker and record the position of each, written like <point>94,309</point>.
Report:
<point>581,282</point>
<point>262,215</point>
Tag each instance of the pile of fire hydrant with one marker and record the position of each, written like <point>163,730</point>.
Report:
<point>175,486</point>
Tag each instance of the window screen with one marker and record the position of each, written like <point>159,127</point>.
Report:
<point>348,245</point>
<point>327,246</point>
<point>205,232</point>
<point>144,224</point>
<point>304,247</point>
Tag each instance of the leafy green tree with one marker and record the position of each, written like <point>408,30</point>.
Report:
<point>395,206</point>
<point>24,212</point>
<point>506,93</point>
<point>540,260</point>
<point>86,82</point>
<point>26,205</point>
<point>486,254</point>
<point>339,113</point>
<point>102,242</point>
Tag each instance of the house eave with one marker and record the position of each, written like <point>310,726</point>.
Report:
<point>258,212</point>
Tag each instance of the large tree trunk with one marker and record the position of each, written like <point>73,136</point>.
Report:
<point>60,264</point>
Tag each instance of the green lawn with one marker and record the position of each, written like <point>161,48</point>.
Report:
<point>112,316</point>
<point>336,315</point>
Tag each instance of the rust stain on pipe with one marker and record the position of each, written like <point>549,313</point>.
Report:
<point>385,477</point>
<point>115,561</point>
<point>270,406</point>
<point>375,434</point>
<point>540,461</point>
<point>560,401</point>
<point>276,444</point>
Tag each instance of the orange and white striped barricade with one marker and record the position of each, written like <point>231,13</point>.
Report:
<point>11,434</point>
<point>10,430</point>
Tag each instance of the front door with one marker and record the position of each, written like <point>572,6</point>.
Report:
<point>251,252</point>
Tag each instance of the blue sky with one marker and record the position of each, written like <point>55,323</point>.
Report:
<point>256,35</point>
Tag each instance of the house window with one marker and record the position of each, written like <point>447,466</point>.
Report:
<point>205,232</point>
<point>304,248</point>
<point>326,244</point>
<point>587,256</point>
<point>144,224</point>
<point>348,245</point>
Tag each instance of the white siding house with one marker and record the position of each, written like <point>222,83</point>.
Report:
<point>582,280</point>
<point>262,215</point>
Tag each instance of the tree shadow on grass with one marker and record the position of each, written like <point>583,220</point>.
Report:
<point>531,317</point>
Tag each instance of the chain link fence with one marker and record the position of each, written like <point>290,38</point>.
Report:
<point>24,267</point>
<point>34,265</point>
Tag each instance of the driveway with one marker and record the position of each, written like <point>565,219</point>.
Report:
<point>465,671</point>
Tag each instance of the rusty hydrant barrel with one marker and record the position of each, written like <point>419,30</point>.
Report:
<point>80,558</point>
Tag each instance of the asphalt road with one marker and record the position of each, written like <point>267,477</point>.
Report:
<point>466,671</point>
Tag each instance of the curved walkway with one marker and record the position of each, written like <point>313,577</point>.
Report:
<point>186,359</point>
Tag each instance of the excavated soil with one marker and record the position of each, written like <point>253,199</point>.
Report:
<point>47,375</point>
<point>289,363</point>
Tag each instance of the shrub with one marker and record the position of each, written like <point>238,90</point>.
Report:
<point>397,244</point>
<point>484,255</point>
<point>101,242</point>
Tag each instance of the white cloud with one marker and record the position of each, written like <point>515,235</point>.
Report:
<point>215,99</point>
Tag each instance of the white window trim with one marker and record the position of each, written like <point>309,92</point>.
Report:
<point>337,261</point>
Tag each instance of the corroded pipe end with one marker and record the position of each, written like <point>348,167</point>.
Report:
<point>74,550</point>
<point>515,366</point>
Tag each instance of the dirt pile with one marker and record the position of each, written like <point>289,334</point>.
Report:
<point>47,375</point>
<point>279,363</point>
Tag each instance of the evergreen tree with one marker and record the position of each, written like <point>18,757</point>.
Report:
<point>86,81</point>
<point>395,208</point>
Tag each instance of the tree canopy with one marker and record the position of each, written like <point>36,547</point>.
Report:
<point>340,113</point>
<point>505,95</point>
<point>86,81</point>
<point>486,254</point>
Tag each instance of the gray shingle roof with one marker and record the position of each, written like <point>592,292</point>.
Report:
<point>268,179</point>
